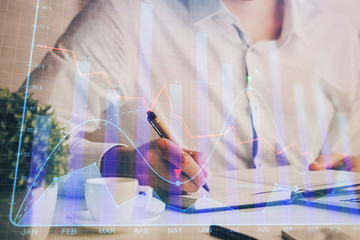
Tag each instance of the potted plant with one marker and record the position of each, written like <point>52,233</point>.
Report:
<point>39,162</point>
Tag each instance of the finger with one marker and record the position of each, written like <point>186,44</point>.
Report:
<point>162,170</point>
<point>318,164</point>
<point>326,162</point>
<point>182,160</point>
<point>165,170</point>
<point>352,163</point>
<point>200,158</point>
<point>183,181</point>
<point>355,164</point>
<point>348,163</point>
<point>189,186</point>
<point>314,167</point>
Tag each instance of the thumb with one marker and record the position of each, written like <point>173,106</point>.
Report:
<point>327,161</point>
<point>199,157</point>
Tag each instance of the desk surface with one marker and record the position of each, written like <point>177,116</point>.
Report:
<point>260,223</point>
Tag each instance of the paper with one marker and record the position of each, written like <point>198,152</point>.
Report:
<point>289,176</point>
<point>260,187</point>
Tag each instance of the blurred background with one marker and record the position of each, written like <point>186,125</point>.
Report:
<point>16,33</point>
<point>16,29</point>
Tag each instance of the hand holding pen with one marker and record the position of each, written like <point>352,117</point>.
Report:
<point>188,163</point>
<point>160,163</point>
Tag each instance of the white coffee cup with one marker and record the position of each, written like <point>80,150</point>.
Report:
<point>113,200</point>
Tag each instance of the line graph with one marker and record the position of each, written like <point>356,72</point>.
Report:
<point>24,110</point>
<point>225,133</point>
<point>164,90</point>
<point>190,209</point>
<point>292,191</point>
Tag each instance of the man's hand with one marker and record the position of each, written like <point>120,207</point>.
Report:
<point>164,156</point>
<point>336,161</point>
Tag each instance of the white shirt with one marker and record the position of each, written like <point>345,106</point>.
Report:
<point>187,61</point>
<point>346,8</point>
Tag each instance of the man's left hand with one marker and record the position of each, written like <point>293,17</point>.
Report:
<point>336,161</point>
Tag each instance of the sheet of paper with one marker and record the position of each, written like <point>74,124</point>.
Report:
<point>226,192</point>
<point>258,186</point>
<point>289,176</point>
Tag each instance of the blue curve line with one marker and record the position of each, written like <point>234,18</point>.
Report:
<point>227,117</point>
<point>190,179</point>
<point>83,123</point>
<point>42,194</point>
<point>59,178</point>
<point>24,110</point>
<point>277,131</point>
<point>102,120</point>
<point>219,137</point>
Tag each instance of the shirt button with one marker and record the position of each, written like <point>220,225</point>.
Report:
<point>252,49</point>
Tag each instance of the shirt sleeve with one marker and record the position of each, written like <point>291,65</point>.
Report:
<point>76,76</point>
<point>354,125</point>
<point>345,94</point>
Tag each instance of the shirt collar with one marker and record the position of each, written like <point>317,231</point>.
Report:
<point>293,25</point>
<point>201,10</point>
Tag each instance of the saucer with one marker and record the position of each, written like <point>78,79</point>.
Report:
<point>156,207</point>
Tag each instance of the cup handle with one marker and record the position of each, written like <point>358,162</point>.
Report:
<point>148,192</point>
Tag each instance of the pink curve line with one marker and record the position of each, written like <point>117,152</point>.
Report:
<point>269,146</point>
<point>179,118</point>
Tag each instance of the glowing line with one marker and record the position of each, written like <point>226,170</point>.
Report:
<point>190,208</point>
<point>164,88</point>
<point>179,118</point>
<point>83,123</point>
<point>108,122</point>
<point>37,200</point>
<point>24,111</point>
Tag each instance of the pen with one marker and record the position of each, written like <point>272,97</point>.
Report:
<point>161,130</point>
<point>224,233</point>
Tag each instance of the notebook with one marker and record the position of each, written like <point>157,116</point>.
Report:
<point>263,187</point>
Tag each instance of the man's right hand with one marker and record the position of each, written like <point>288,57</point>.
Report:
<point>163,156</point>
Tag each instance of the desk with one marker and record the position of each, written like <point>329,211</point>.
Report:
<point>266,224</point>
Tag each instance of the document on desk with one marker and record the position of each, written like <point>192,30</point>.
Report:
<point>262,187</point>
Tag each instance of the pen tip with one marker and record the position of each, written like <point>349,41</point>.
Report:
<point>151,115</point>
<point>206,187</point>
